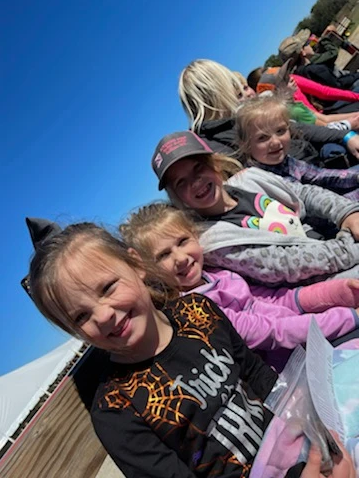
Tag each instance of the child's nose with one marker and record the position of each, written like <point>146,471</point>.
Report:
<point>103,313</point>
<point>196,180</point>
<point>275,139</point>
<point>180,259</point>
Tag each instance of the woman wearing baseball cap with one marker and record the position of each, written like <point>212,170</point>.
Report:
<point>255,223</point>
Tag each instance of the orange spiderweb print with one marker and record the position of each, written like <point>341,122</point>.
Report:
<point>163,404</point>
<point>196,319</point>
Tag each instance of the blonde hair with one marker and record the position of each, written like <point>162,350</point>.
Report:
<point>142,227</point>
<point>267,110</point>
<point>208,91</point>
<point>220,163</point>
<point>241,78</point>
<point>46,287</point>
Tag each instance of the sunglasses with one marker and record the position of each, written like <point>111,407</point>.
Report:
<point>26,285</point>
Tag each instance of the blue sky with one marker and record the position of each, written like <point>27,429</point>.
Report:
<point>88,89</point>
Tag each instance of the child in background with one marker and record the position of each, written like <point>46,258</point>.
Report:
<point>247,92</point>
<point>253,221</point>
<point>264,140</point>
<point>315,66</point>
<point>266,319</point>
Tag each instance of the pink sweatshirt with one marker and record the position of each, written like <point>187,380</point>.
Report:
<point>269,319</point>
<point>307,87</point>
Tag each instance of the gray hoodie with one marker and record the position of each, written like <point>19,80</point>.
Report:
<point>273,258</point>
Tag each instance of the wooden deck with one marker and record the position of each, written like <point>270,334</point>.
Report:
<point>60,441</point>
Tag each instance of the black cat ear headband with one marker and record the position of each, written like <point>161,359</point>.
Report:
<point>41,230</point>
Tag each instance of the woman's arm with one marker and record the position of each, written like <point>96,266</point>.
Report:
<point>328,51</point>
<point>319,135</point>
<point>338,116</point>
<point>326,119</point>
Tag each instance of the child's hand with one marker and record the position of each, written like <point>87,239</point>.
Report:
<point>342,468</point>
<point>354,122</point>
<point>351,222</point>
<point>353,146</point>
<point>353,284</point>
<point>292,85</point>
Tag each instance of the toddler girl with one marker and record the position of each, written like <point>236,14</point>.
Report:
<point>256,223</point>
<point>265,318</point>
<point>264,139</point>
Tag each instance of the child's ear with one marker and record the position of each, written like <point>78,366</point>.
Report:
<point>140,271</point>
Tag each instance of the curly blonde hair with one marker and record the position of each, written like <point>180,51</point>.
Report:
<point>267,110</point>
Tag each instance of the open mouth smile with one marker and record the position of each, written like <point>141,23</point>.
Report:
<point>204,191</point>
<point>186,271</point>
<point>277,151</point>
<point>120,329</point>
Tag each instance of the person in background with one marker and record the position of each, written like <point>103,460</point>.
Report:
<point>209,95</point>
<point>248,91</point>
<point>303,91</point>
<point>254,76</point>
<point>317,67</point>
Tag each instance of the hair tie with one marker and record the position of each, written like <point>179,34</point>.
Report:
<point>41,230</point>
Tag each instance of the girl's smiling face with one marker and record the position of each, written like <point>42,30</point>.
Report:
<point>180,255</point>
<point>269,143</point>
<point>196,184</point>
<point>108,302</point>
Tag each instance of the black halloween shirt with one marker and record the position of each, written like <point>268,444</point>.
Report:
<point>194,410</point>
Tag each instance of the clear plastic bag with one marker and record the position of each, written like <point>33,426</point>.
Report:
<point>290,400</point>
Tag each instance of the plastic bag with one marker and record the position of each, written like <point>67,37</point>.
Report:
<point>290,400</point>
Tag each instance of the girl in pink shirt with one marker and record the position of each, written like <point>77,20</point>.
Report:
<point>265,318</point>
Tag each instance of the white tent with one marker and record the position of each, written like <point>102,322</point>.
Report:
<point>21,389</point>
